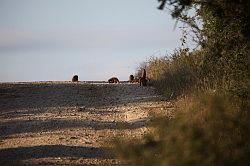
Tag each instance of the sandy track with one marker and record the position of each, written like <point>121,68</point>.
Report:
<point>60,123</point>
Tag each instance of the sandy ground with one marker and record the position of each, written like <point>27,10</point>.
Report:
<point>63,123</point>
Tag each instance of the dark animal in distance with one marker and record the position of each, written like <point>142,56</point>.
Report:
<point>136,80</point>
<point>113,80</point>
<point>131,78</point>
<point>143,80</point>
<point>75,78</point>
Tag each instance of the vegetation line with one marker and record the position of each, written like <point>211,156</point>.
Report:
<point>210,86</point>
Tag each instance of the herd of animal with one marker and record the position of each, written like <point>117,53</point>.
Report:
<point>141,80</point>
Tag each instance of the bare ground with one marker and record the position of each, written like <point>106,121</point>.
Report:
<point>62,123</point>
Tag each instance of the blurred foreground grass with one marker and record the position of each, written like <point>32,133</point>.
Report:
<point>207,130</point>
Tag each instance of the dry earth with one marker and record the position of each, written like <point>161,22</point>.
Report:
<point>63,123</point>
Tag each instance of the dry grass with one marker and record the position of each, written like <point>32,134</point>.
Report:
<point>206,130</point>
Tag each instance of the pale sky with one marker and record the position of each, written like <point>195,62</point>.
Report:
<point>43,40</point>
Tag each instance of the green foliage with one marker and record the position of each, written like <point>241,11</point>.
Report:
<point>224,38</point>
<point>223,59</point>
<point>208,130</point>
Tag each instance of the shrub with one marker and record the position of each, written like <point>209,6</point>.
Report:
<point>207,130</point>
<point>176,74</point>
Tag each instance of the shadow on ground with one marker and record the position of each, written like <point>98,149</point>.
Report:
<point>37,126</point>
<point>15,155</point>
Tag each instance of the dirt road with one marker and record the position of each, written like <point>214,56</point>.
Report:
<point>62,123</point>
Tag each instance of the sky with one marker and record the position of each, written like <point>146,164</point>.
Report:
<point>52,40</point>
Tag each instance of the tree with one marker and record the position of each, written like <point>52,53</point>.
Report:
<point>224,37</point>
